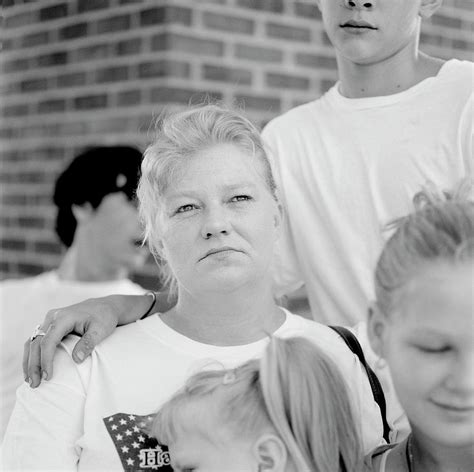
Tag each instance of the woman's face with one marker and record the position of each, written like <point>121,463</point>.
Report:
<point>429,346</point>
<point>219,221</point>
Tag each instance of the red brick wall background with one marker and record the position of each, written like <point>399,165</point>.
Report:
<point>86,72</point>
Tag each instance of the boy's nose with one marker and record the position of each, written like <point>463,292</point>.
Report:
<point>360,4</point>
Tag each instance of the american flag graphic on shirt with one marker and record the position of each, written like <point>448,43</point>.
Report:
<point>137,451</point>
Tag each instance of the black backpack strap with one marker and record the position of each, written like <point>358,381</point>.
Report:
<point>377,391</point>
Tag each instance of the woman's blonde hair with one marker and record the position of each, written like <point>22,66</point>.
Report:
<point>441,229</point>
<point>295,391</point>
<point>179,136</point>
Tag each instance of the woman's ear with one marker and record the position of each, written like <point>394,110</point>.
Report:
<point>377,329</point>
<point>82,212</point>
<point>271,453</point>
<point>429,7</point>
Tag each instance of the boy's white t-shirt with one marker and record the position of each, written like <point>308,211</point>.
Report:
<point>91,416</point>
<point>23,304</point>
<point>347,167</point>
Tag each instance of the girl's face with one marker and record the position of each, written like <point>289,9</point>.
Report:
<point>428,343</point>
<point>219,221</point>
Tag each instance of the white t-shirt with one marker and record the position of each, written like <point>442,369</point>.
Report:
<point>24,304</point>
<point>90,416</point>
<point>347,167</point>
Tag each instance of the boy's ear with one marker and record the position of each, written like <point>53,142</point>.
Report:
<point>82,212</point>
<point>278,218</point>
<point>271,453</point>
<point>377,329</point>
<point>429,7</point>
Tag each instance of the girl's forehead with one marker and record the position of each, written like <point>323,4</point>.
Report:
<point>441,295</point>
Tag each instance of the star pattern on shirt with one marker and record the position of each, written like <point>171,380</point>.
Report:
<point>137,450</point>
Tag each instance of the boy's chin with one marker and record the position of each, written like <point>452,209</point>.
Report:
<point>361,56</point>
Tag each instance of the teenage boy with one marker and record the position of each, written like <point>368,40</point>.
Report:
<point>97,222</point>
<point>351,161</point>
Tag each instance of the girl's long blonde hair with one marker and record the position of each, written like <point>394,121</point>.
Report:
<point>295,390</point>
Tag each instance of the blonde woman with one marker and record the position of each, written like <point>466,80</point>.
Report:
<point>211,213</point>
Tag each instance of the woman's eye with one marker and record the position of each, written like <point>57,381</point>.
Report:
<point>185,208</point>
<point>240,198</point>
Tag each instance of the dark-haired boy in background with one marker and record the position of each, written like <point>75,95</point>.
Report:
<point>97,222</point>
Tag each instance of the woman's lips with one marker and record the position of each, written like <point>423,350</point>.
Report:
<point>216,251</point>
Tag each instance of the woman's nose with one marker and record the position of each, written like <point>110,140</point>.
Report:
<point>216,223</point>
<point>359,4</point>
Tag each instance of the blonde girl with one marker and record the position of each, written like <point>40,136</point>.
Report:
<point>289,411</point>
<point>423,326</point>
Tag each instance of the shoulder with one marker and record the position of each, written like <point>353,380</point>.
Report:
<point>24,283</point>
<point>300,117</point>
<point>456,77</point>
<point>322,335</point>
<point>127,287</point>
<point>458,70</point>
<point>136,336</point>
<point>375,460</point>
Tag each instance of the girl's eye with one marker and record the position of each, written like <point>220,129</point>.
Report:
<point>433,349</point>
<point>188,469</point>
<point>240,198</point>
<point>185,208</point>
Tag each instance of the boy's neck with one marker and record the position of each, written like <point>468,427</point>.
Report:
<point>392,75</point>
<point>80,264</point>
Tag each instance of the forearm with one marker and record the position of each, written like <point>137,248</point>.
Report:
<point>130,308</point>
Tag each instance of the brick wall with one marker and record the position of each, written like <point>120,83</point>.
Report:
<point>85,72</point>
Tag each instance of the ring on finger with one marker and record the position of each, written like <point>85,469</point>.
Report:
<point>37,332</point>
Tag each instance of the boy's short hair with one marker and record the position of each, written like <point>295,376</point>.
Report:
<point>91,176</point>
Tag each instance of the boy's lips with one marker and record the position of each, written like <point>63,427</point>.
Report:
<point>355,25</point>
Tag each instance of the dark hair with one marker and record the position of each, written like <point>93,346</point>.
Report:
<point>91,176</point>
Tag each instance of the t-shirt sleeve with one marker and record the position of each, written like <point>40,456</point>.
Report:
<point>47,421</point>
<point>286,272</point>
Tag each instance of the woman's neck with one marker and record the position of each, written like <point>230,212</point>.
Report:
<point>240,317</point>
<point>392,75</point>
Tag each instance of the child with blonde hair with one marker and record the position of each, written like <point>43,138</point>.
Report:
<point>422,325</point>
<point>289,411</point>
